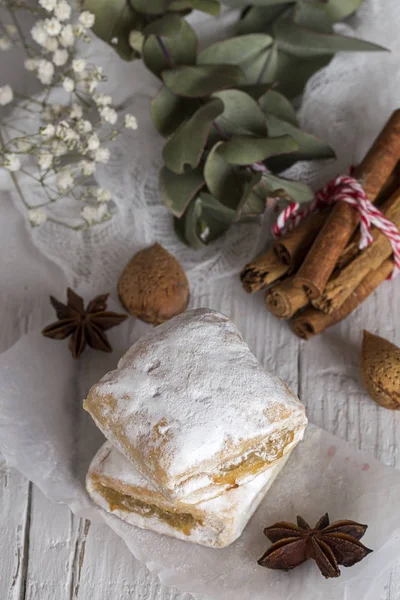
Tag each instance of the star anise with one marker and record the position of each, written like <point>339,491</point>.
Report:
<point>85,326</point>
<point>329,545</point>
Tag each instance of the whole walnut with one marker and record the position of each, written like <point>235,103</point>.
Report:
<point>153,286</point>
<point>380,370</point>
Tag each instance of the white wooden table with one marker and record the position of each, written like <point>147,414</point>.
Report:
<point>47,554</point>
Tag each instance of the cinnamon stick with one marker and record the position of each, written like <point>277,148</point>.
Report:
<point>353,247</point>
<point>266,269</point>
<point>283,300</point>
<point>312,321</point>
<point>342,221</point>
<point>340,287</point>
<point>287,252</point>
<point>292,248</point>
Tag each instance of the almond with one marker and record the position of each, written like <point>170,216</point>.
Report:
<point>153,286</point>
<point>380,370</point>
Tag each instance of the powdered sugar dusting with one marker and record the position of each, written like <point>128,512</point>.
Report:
<point>192,394</point>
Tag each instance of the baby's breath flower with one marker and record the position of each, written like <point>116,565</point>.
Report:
<point>102,155</point>
<point>114,41</point>
<point>45,71</point>
<point>66,133</point>
<point>23,145</point>
<point>52,26</point>
<point>59,148</point>
<point>56,108</point>
<point>88,167</point>
<point>62,10</point>
<point>39,34</point>
<point>5,43</point>
<point>48,5</point>
<point>85,126</point>
<point>51,44</point>
<point>78,65</point>
<point>11,162</point>
<point>37,216</point>
<point>131,122</point>
<point>103,195</point>
<point>79,30</point>
<point>102,99</point>
<point>109,115</point>
<point>68,84</point>
<point>93,142</point>
<point>31,64</point>
<point>45,160</point>
<point>60,57</point>
<point>64,180</point>
<point>87,19</point>
<point>76,111</point>
<point>92,85</point>
<point>136,40</point>
<point>93,214</point>
<point>6,95</point>
<point>67,37</point>
<point>48,131</point>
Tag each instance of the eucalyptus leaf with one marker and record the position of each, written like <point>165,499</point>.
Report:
<point>306,43</point>
<point>259,19</point>
<point>242,3</point>
<point>167,26</point>
<point>205,220</point>
<point>228,183</point>
<point>236,50</point>
<point>202,80</point>
<point>212,7</point>
<point>114,21</point>
<point>189,228</point>
<point>274,103</point>
<point>313,16</point>
<point>161,52</point>
<point>254,204</point>
<point>268,73</point>
<point>241,114</point>
<point>210,223</point>
<point>337,10</point>
<point>169,111</point>
<point>149,7</point>
<point>220,212</point>
<point>178,190</point>
<point>255,90</point>
<point>292,191</point>
<point>291,74</point>
<point>185,147</point>
<point>242,150</point>
<point>250,205</point>
<point>310,147</point>
<point>223,180</point>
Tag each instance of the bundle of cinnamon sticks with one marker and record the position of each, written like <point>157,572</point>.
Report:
<point>316,274</point>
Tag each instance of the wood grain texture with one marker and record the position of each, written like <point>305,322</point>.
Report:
<point>47,553</point>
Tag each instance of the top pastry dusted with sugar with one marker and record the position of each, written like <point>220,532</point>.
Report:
<point>190,406</point>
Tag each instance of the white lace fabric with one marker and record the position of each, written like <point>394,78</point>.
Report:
<point>346,104</point>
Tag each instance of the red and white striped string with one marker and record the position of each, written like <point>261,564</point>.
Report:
<point>344,189</point>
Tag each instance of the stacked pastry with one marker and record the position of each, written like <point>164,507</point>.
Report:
<point>197,431</point>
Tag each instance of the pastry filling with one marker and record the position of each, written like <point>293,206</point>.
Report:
<point>184,522</point>
<point>255,461</point>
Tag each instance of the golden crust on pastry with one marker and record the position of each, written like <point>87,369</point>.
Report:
<point>117,487</point>
<point>192,409</point>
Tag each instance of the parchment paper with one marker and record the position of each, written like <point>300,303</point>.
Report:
<point>47,436</point>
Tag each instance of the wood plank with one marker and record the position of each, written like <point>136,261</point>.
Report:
<point>52,530</point>
<point>106,570</point>
<point>14,515</point>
